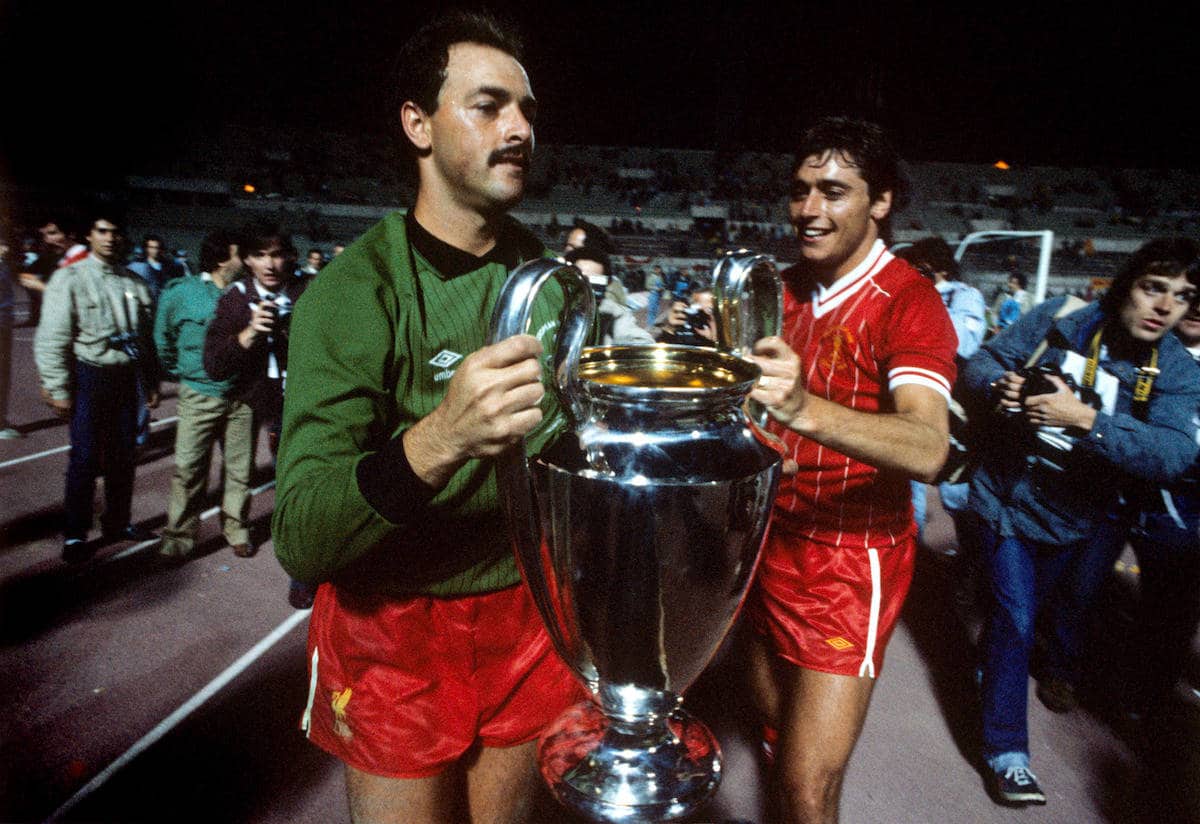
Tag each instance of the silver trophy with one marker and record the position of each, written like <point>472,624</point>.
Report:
<point>637,527</point>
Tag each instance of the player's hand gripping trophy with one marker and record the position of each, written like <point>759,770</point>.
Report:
<point>637,526</point>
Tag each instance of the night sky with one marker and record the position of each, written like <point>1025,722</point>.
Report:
<point>96,93</point>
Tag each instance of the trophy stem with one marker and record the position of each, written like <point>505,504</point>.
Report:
<point>657,768</point>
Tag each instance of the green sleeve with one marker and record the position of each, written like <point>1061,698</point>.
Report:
<point>336,411</point>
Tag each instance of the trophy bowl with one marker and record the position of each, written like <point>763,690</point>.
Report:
<point>637,527</point>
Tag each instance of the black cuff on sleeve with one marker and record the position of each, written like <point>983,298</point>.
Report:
<point>390,486</point>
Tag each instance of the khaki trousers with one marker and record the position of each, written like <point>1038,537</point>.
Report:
<point>204,420</point>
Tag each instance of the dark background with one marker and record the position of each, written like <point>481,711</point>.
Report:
<point>100,91</point>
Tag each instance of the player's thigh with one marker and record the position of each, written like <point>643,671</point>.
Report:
<point>376,799</point>
<point>823,717</point>
<point>502,784</point>
<point>763,673</point>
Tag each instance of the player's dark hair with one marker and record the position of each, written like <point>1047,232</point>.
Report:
<point>421,65</point>
<point>1168,256</point>
<point>863,145</point>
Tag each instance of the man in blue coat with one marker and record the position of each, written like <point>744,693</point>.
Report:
<point>1110,402</point>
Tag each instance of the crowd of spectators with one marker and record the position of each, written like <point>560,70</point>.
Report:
<point>113,322</point>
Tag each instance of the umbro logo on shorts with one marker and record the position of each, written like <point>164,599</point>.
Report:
<point>839,643</point>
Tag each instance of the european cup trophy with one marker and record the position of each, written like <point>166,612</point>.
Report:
<point>637,528</point>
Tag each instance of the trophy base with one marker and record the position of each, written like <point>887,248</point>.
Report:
<point>611,770</point>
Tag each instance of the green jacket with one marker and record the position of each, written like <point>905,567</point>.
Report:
<point>374,343</point>
<point>185,309</point>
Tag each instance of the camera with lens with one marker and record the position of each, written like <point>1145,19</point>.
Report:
<point>281,311</point>
<point>128,343</point>
<point>697,318</point>
<point>1037,382</point>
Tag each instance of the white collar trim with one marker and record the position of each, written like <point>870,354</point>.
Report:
<point>826,299</point>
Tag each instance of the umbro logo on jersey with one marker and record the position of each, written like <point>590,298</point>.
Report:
<point>839,643</point>
<point>445,359</point>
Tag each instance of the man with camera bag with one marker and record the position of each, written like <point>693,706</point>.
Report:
<point>1111,398</point>
<point>92,347</point>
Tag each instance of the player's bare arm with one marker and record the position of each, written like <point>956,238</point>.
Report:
<point>492,401</point>
<point>912,440</point>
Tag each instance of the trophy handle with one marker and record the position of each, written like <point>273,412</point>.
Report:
<point>511,316</point>
<point>748,305</point>
<point>514,309</point>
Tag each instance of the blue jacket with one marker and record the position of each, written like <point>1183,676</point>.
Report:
<point>1018,494</point>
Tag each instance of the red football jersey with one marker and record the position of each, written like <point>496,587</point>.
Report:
<point>878,327</point>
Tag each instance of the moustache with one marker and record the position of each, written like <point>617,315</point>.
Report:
<point>520,155</point>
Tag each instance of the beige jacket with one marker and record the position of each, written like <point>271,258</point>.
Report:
<point>84,305</point>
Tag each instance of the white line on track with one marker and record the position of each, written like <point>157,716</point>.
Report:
<point>187,708</point>
<point>59,449</point>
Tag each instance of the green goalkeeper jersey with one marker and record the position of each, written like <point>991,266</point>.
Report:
<point>374,342</point>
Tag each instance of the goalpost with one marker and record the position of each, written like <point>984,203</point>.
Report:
<point>1046,249</point>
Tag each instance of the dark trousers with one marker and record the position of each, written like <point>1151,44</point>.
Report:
<point>1167,546</point>
<point>1168,552</point>
<point>103,427</point>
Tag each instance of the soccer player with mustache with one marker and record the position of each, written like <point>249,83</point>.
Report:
<point>430,671</point>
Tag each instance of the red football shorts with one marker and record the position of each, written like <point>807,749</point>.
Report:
<point>402,688</point>
<point>826,608</point>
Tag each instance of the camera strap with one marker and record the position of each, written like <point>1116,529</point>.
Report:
<point>1145,381</point>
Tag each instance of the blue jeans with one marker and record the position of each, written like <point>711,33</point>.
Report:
<point>103,428</point>
<point>1021,575</point>
<point>1073,602</point>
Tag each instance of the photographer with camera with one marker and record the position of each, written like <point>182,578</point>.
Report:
<point>689,318</point>
<point>1107,402</point>
<point>616,325</point>
<point>247,339</point>
<point>92,349</point>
